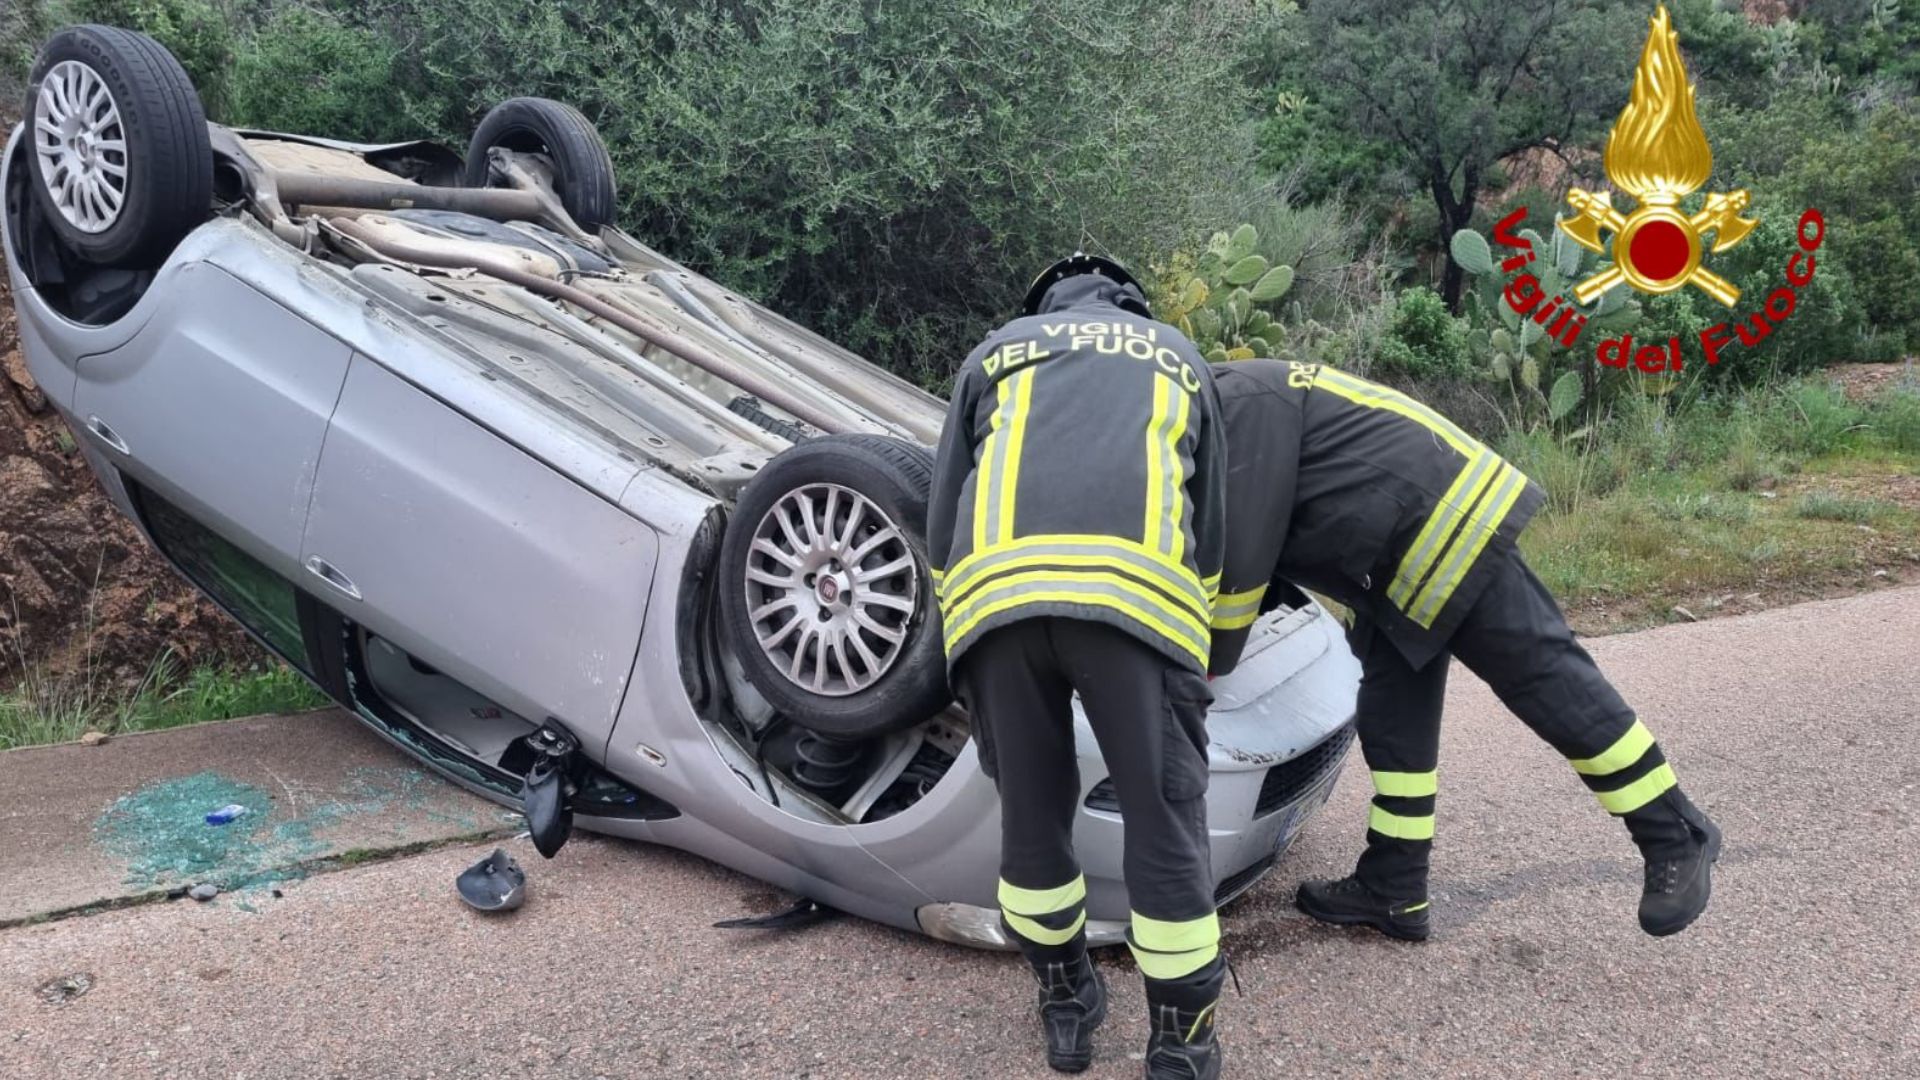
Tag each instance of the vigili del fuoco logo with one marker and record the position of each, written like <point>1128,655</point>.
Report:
<point>1657,156</point>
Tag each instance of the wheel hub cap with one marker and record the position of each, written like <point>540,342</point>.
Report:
<point>832,587</point>
<point>82,147</point>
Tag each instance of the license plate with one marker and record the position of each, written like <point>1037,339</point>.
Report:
<point>1299,812</point>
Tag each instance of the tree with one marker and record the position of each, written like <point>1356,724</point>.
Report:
<point>1454,86</point>
<point>890,174</point>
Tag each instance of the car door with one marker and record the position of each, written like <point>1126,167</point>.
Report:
<point>474,557</point>
<point>219,404</point>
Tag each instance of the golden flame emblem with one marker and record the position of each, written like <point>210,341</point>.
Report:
<point>1658,153</point>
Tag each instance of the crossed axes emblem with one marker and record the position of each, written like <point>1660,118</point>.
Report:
<point>1720,215</point>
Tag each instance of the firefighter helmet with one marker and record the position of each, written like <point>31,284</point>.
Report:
<point>1073,266</point>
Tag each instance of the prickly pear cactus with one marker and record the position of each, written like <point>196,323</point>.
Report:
<point>1515,352</point>
<point>1226,299</point>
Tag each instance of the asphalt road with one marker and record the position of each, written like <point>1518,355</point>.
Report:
<point>1796,728</point>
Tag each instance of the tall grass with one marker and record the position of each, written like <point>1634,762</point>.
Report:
<point>47,707</point>
<point>1660,504</point>
<point>1746,440</point>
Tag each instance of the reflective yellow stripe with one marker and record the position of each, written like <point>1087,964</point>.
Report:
<point>1176,533</point>
<point>1625,750</point>
<point>1466,548</point>
<point>1016,441</point>
<point>1410,785</point>
<point>1155,965</point>
<point>961,593</point>
<point>1236,622</point>
<point>1081,543</point>
<point>1236,610</point>
<point>1248,598</point>
<point>1467,488</point>
<point>1150,533</point>
<point>1174,936</point>
<point>1041,935</point>
<point>1401,828</point>
<point>1411,908</point>
<point>1639,793</point>
<point>1069,579</point>
<point>1211,586</point>
<point>1042,901</point>
<point>1374,396</point>
<point>1093,599</point>
<point>987,472</point>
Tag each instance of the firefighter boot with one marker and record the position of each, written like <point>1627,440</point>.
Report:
<point>1182,1045</point>
<point>1349,902</point>
<point>1073,1001</point>
<point>1680,846</point>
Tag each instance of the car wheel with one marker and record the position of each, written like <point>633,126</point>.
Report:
<point>122,165</point>
<point>582,168</point>
<point>824,588</point>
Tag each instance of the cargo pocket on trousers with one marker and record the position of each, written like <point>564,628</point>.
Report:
<point>1184,731</point>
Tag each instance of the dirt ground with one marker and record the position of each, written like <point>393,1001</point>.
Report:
<point>1863,381</point>
<point>79,589</point>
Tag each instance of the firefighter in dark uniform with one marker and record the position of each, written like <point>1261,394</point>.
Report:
<point>1370,498</point>
<point>1075,527</point>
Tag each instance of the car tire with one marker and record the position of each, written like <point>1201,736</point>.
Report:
<point>833,619</point>
<point>582,168</point>
<point>122,165</point>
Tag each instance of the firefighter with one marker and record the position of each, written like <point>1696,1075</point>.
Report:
<point>1369,497</point>
<point>1075,527</point>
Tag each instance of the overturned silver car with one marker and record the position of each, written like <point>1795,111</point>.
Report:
<point>561,519</point>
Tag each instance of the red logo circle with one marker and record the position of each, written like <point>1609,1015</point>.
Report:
<point>1659,250</point>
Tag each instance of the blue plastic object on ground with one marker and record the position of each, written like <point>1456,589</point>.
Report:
<point>226,813</point>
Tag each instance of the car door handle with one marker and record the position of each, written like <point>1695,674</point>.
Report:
<point>106,434</point>
<point>326,572</point>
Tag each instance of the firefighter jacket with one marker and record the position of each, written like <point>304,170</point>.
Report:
<point>1080,475</point>
<point>1359,493</point>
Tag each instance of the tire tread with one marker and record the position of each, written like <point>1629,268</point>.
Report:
<point>574,144</point>
<point>169,154</point>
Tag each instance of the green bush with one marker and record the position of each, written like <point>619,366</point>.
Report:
<point>1824,327</point>
<point>23,23</point>
<point>309,71</point>
<point>1895,418</point>
<point>1867,182</point>
<point>199,33</point>
<point>1423,341</point>
<point>893,175</point>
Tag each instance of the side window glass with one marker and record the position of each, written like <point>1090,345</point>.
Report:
<point>262,600</point>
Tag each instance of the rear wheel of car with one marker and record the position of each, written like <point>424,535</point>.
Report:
<point>122,165</point>
<point>582,168</point>
<point>824,588</point>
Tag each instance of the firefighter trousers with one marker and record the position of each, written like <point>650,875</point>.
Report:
<point>1516,640</point>
<point>1148,714</point>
